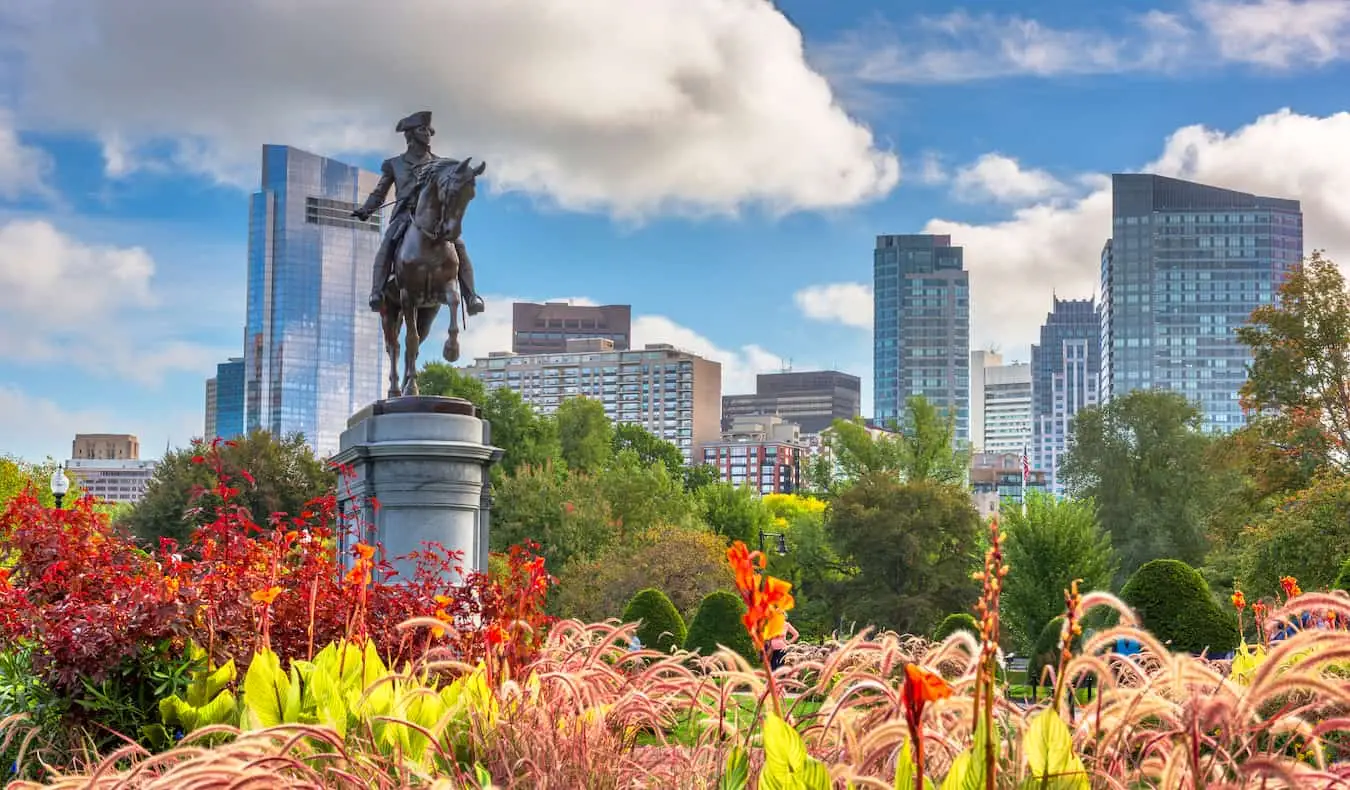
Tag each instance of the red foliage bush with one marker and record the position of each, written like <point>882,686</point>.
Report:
<point>89,598</point>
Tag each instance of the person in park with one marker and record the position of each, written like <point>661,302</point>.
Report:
<point>777,636</point>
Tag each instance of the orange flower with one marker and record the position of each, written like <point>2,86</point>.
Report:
<point>4,577</point>
<point>1239,601</point>
<point>365,552</point>
<point>767,599</point>
<point>266,597</point>
<point>922,686</point>
<point>1290,585</point>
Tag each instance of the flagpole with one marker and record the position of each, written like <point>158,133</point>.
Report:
<point>1026,470</point>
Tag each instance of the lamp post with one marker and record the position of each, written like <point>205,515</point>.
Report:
<point>60,485</point>
<point>781,542</point>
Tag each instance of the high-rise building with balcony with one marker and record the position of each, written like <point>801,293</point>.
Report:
<point>1065,369</point>
<point>1007,409</point>
<point>674,394</point>
<point>980,360</point>
<point>764,452</point>
<point>313,351</point>
<point>546,328</point>
<point>812,399</point>
<point>921,327</point>
<point>1185,267</point>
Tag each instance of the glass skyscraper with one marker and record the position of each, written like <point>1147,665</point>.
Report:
<point>1065,369</point>
<point>314,352</point>
<point>1185,267</point>
<point>228,404</point>
<point>921,327</point>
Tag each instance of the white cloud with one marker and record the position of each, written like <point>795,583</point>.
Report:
<point>66,302</point>
<point>632,108</point>
<point>1001,179</point>
<point>960,47</point>
<point>24,169</point>
<point>36,428</point>
<point>1278,33</point>
<point>849,304</point>
<point>1055,246</point>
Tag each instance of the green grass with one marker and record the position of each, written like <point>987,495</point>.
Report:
<point>691,725</point>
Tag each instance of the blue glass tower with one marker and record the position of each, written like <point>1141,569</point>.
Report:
<point>921,327</point>
<point>1065,369</point>
<point>229,399</point>
<point>313,350</point>
<point>1186,266</point>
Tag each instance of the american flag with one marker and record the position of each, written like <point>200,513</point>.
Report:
<point>1026,465</point>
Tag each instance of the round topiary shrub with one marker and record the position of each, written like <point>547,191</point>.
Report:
<point>1045,653</point>
<point>660,625</point>
<point>1175,605</point>
<point>718,622</point>
<point>961,621</point>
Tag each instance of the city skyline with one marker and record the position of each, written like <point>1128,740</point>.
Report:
<point>743,238</point>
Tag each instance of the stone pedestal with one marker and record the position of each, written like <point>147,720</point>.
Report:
<point>426,461</point>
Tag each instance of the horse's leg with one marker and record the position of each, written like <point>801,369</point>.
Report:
<point>451,348</point>
<point>391,320</point>
<point>411,340</point>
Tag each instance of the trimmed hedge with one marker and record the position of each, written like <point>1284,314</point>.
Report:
<point>961,621</point>
<point>1045,653</point>
<point>718,622</point>
<point>660,625</point>
<point>1174,603</point>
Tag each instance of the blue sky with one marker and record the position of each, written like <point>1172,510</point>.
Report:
<point>722,165</point>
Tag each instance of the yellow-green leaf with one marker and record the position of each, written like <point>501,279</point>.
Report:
<point>736,774</point>
<point>266,688</point>
<point>787,766</point>
<point>904,770</point>
<point>1048,746</point>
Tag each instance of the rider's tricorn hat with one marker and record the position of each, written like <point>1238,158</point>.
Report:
<point>415,120</point>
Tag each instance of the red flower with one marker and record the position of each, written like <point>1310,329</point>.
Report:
<point>1290,585</point>
<point>1239,601</point>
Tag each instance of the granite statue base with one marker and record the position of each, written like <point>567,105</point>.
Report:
<point>421,469</point>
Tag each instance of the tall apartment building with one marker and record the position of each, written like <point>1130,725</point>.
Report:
<point>674,394</point>
<point>313,351</point>
<point>225,401</point>
<point>546,328</point>
<point>109,466</point>
<point>1007,409</point>
<point>1065,369</point>
<point>979,361</point>
<point>1185,267</point>
<point>921,327</point>
<point>105,446</point>
<point>764,452</point>
<point>812,399</point>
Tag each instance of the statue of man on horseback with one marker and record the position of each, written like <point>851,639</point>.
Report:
<point>401,173</point>
<point>422,263</point>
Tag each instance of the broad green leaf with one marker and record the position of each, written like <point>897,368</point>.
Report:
<point>266,688</point>
<point>968,769</point>
<point>787,766</point>
<point>221,710</point>
<point>736,774</point>
<point>1048,746</point>
<point>326,700</point>
<point>1246,662</point>
<point>291,710</point>
<point>904,770</point>
<point>218,680</point>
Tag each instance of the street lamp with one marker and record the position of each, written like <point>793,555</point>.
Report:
<point>60,485</point>
<point>781,542</point>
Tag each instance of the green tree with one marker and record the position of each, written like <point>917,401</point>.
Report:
<point>285,472</point>
<point>643,496</point>
<point>1175,604</point>
<point>1299,376</point>
<point>527,438</point>
<point>586,434</point>
<point>688,564</point>
<point>1056,542</point>
<point>17,475</point>
<point>1144,461</point>
<point>696,477</point>
<point>1306,536</point>
<point>910,549</point>
<point>928,445</point>
<point>438,378</point>
<point>564,513</point>
<point>650,448</point>
<point>922,446</point>
<point>735,513</point>
<point>661,627</point>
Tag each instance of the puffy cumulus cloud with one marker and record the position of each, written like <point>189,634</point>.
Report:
<point>849,304</point>
<point>65,301</point>
<point>693,106</point>
<point>1278,33</point>
<point>37,428</point>
<point>1001,179</point>
<point>1055,246</point>
<point>24,169</point>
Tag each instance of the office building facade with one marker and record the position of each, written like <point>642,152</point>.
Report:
<point>1007,409</point>
<point>1186,265</point>
<point>546,328</point>
<point>921,327</point>
<point>764,452</point>
<point>314,352</point>
<point>980,360</point>
<point>225,401</point>
<point>812,399</point>
<point>674,394</point>
<point>113,480</point>
<point>105,446</point>
<point>1065,369</point>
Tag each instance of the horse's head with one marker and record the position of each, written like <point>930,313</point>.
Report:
<point>450,185</point>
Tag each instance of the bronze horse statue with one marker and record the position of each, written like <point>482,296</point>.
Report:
<point>425,271</point>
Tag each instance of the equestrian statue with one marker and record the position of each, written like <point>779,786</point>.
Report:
<point>422,263</point>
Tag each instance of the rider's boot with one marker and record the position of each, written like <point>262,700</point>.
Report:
<point>473,303</point>
<point>378,280</point>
